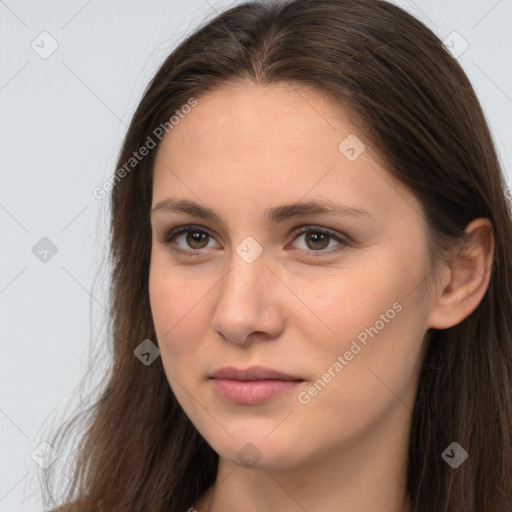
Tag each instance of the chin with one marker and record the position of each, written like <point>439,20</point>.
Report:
<point>259,449</point>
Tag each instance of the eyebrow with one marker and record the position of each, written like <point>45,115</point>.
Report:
<point>274,215</point>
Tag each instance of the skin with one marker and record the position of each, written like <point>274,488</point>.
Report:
<point>245,148</point>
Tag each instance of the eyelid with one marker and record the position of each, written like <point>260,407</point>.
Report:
<point>171,233</point>
<point>343,240</point>
<point>340,237</point>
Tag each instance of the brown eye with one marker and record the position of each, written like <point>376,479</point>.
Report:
<point>317,240</point>
<point>195,239</point>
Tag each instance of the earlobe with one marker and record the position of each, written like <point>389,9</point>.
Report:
<point>469,276</point>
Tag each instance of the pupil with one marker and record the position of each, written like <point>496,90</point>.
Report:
<point>197,237</point>
<point>317,238</point>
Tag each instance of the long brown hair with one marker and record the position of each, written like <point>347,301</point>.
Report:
<point>418,112</point>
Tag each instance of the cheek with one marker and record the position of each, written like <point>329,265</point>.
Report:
<point>165,308</point>
<point>180,319</point>
<point>382,373</point>
<point>372,379</point>
<point>338,310</point>
<point>374,322</point>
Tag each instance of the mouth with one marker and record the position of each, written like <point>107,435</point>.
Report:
<point>252,386</point>
<point>252,373</point>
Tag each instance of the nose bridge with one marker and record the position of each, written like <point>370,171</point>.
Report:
<point>240,288</point>
<point>245,299</point>
<point>247,268</point>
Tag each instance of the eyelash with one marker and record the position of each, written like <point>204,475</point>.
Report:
<point>171,234</point>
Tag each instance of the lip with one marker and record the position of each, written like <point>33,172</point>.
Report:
<point>251,386</point>
<point>252,373</point>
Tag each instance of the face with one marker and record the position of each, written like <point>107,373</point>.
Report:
<point>334,299</point>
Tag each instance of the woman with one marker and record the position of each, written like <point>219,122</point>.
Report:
<point>311,293</point>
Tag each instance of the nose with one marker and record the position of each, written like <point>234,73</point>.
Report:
<point>248,302</point>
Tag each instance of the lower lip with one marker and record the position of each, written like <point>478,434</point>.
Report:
<point>251,392</point>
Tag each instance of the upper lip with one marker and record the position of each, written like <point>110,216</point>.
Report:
<point>251,373</point>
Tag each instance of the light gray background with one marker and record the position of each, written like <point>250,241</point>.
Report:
<point>63,120</point>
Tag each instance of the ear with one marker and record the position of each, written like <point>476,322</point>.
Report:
<point>466,278</point>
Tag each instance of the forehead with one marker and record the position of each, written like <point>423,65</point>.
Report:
<point>249,117</point>
<point>262,144</point>
<point>255,130</point>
